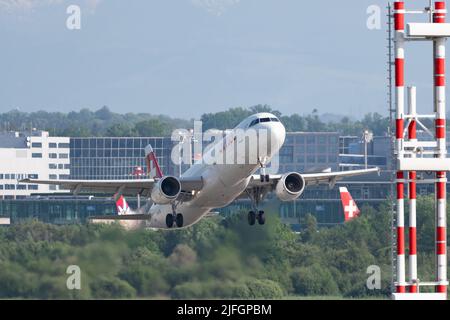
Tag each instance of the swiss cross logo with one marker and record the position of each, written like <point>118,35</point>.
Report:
<point>348,204</point>
<point>351,209</point>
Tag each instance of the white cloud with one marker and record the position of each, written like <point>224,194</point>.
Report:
<point>216,7</point>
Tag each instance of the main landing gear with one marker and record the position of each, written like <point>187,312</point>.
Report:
<point>174,219</point>
<point>253,217</point>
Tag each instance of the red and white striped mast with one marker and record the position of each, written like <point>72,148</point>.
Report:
<point>433,154</point>
<point>441,176</point>
<point>399,25</point>
<point>412,137</point>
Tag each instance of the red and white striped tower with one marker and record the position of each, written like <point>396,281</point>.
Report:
<point>401,282</point>
<point>399,23</point>
<point>412,137</point>
<point>441,176</point>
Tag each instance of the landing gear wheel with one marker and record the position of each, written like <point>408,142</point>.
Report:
<point>169,220</point>
<point>261,217</point>
<point>251,218</point>
<point>179,220</point>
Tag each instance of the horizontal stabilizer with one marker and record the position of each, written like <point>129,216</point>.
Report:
<point>122,217</point>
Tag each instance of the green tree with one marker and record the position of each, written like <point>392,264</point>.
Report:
<point>111,288</point>
<point>153,128</point>
<point>314,280</point>
<point>310,230</point>
<point>121,130</point>
<point>264,289</point>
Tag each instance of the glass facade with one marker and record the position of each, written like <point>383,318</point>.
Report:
<point>115,158</point>
<point>305,151</point>
<point>56,210</point>
<point>351,152</point>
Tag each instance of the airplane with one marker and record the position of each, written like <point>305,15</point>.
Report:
<point>209,183</point>
<point>351,210</point>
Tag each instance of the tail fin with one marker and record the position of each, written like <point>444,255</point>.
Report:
<point>152,163</point>
<point>348,204</point>
<point>122,207</point>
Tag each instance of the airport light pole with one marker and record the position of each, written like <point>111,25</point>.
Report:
<point>138,173</point>
<point>183,137</point>
<point>180,158</point>
<point>367,138</point>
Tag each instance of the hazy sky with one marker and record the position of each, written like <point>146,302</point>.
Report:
<point>187,57</point>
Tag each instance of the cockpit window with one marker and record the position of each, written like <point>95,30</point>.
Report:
<point>256,121</point>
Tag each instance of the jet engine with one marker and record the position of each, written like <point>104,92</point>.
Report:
<point>290,186</point>
<point>166,190</point>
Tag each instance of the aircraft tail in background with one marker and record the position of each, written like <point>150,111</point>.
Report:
<point>351,210</point>
<point>126,217</point>
<point>153,168</point>
<point>122,207</point>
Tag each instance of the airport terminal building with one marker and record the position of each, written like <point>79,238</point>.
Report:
<point>31,155</point>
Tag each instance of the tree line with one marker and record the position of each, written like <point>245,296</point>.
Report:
<point>219,258</point>
<point>103,122</point>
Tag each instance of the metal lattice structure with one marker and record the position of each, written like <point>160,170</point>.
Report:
<point>413,155</point>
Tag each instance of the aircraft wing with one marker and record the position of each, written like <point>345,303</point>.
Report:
<point>329,178</point>
<point>125,187</point>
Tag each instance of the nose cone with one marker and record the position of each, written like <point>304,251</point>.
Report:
<point>277,134</point>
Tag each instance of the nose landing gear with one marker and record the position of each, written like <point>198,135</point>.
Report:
<point>264,177</point>
<point>257,194</point>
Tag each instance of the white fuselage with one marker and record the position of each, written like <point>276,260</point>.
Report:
<point>224,181</point>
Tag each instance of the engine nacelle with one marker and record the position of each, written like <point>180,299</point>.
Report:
<point>290,186</point>
<point>166,190</point>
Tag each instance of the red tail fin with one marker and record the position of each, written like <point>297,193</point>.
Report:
<point>152,162</point>
<point>122,206</point>
<point>348,204</point>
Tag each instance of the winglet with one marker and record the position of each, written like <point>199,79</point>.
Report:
<point>150,158</point>
<point>351,210</point>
